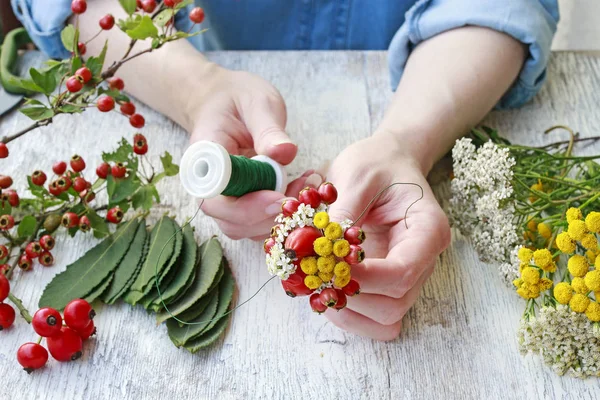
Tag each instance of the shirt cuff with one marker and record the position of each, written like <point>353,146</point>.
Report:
<point>532,22</point>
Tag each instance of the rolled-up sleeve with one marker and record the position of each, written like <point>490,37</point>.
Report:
<point>532,22</point>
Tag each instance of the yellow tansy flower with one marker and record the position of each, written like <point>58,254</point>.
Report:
<point>536,186</point>
<point>591,255</point>
<point>341,248</point>
<point>573,214</point>
<point>321,220</point>
<point>589,241</point>
<point>528,291</point>
<point>543,259</point>
<point>323,246</point>
<point>577,229</point>
<point>518,282</point>
<point>544,230</point>
<point>593,311</point>
<point>563,292</point>
<point>326,264</point>
<point>578,265</point>
<point>525,254</point>
<point>308,265</point>
<point>579,286</point>
<point>565,243</point>
<point>532,225</point>
<point>545,284</point>
<point>592,280</point>
<point>326,276</point>
<point>592,221</point>
<point>312,281</point>
<point>530,275</point>
<point>579,303</point>
<point>341,281</point>
<point>342,269</point>
<point>597,262</point>
<point>333,231</point>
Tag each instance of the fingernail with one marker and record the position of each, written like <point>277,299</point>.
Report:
<point>308,173</point>
<point>283,140</point>
<point>275,208</point>
<point>314,180</point>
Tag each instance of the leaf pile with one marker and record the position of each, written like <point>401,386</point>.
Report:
<point>195,282</point>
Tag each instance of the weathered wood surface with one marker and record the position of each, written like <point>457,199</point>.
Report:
<point>458,341</point>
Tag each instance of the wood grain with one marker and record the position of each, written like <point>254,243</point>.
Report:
<point>458,341</point>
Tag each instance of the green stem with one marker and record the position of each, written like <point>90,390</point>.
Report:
<point>19,304</point>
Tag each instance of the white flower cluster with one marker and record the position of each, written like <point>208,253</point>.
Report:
<point>481,206</point>
<point>567,341</point>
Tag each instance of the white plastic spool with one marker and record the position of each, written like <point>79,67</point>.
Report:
<point>205,170</point>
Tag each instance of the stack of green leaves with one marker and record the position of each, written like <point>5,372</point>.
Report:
<point>195,282</point>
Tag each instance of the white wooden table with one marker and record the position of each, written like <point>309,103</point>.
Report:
<point>458,341</point>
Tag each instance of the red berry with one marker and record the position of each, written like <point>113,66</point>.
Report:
<point>33,250</point>
<point>12,197</point>
<point>59,167</point>
<point>82,48</point>
<point>4,268</point>
<point>197,15</point>
<point>79,184</point>
<point>310,196</point>
<point>77,163</point>
<point>342,300</point>
<point>54,189</point>
<point>148,5</point>
<point>3,150</point>
<point>5,181</point>
<point>116,83</point>
<point>38,178</point>
<point>328,193</point>
<point>137,121</point>
<point>46,322</point>
<point>352,288</point>
<point>294,285</point>
<point>69,220</point>
<point>64,183</point>
<point>289,207</point>
<point>299,242</point>
<point>328,297</point>
<point>84,224</point>
<point>140,145</point>
<point>354,235</point>
<point>3,252</point>
<point>4,287</point>
<point>78,314</point>
<point>103,170</point>
<point>105,103</point>
<point>87,196</point>
<point>268,245</point>
<point>118,170</point>
<point>47,242</point>
<point>74,84</point>
<point>128,108</point>
<point>171,3</point>
<point>46,259</point>
<point>78,6</point>
<point>316,304</point>
<point>107,22</point>
<point>6,222</point>
<point>84,73</point>
<point>32,356</point>
<point>86,332</point>
<point>25,262</point>
<point>138,4</point>
<point>114,215</point>
<point>356,255</point>
<point>66,346</point>
<point>7,316</point>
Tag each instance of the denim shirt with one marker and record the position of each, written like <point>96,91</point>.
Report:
<point>395,25</point>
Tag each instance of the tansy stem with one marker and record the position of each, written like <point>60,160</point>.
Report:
<point>19,304</point>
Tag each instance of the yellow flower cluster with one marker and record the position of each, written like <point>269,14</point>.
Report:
<point>531,284</point>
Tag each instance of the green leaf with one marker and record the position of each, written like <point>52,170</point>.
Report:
<point>5,207</point>
<point>144,30</point>
<point>27,226</point>
<point>76,64</point>
<point>124,188</point>
<point>155,43</point>
<point>162,18</point>
<point>226,290</point>
<point>179,335</point>
<point>37,191</point>
<point>68,37</point>
<point>71,109</point>
<point>128,5</point>
<point>198,308</point>
<point>100,289</point>
<point>97,223</point>
<point>143,197</point>
<point>129,23</point>
<point>89,271</point>
<point>184,3</point>
<point>208,338</point>
<point>44,80</point>
<point>37,113</point>
<point>95,64</point>
<point>121,154</point>
<point>168,166</point>
<point>27,84</point>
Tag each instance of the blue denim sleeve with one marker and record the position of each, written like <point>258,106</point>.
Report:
<point>532,22</point>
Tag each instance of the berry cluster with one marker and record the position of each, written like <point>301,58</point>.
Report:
<point>313,255</point>
<point>7,313</point>
<point>64,341</point>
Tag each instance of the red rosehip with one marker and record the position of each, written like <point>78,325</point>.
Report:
<point>64,183</point>
<point>78,314</point>
<point>77,163</point>
<point>128,108</point>
<point>328,297</point>
<point>118,170</point>
<point>46,322</point>
<point>103,170</point>
<point>47,242</point>
<point>25,263</point>
<point>105,103</point>
<point>54,189</point>
<point>12,197</point>
<point>342,300</point>
<point>316,304</point>
<point>354,235</point>
<point>69,220</point>
<point>299,242</point>
<point>356,255</point>
<point>79,184</point>
<point>140,144</point>
<point>78,6</point>
<point>87,196</point>
<point>4,287</point>
<point>137,121</point>
<point>289,207</point>
<point>294,285</point>
<point>5,181</point>
<point>3,150</point>
<point>86,332</point>
<point>6,222</point>
<point>3,252</point>
<point>74,84</point>
<point>107,22</point>
<point>82,48</point>
<point>32,356</point>
<point>46,259</point>
<point>7,316</point>
<point>66,346</point>
<point>268,245</point>
<point>328,193</point>
<point>84,73</point>
<point>59,167</point>
<point>114,215</point>
<point>116,83</point>
<point>38,178</point>
<point>148,5</point>
<point>33,250</point>
<point>352,288</point>
<point>197,15</point>
<point>4,268</point>
<point>310,196</point>
<point>84,223</point>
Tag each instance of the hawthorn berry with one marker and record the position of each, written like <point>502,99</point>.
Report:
<point>197,15</point>
<point>105,103</point>
<point>3,252</point>
<point>299,242</point>
<point>148,5</point>
<point>66,346</point>
<point>114,215</point>
<point>64,183</point>
<point>316,304</point>
<point>3,150</point>
<point>268,244</point>
<point>7,316</point>
<point>12,197</point>
<point>103,170</point>
<point>84,224</point>
<point>79,184</point>
<point>46,259</point>
<point>4,268</point>
<point>25,263</point>
<point>46,322</point>
<point>118,170</point>
<point>32,356</point>
<point>137,121</point>
<point>86,332</point>
<point>328,297</point>
<point>54,189</point>
<point>38,178</point>
<point>59,167</point>
<point>84,73</point>
<point>352,288</point>
<point>140,144</point>
<point>128,108</point>
<point>78,6</point>
<point>4,287</point>
<point>69,220</point>
<point>294,285</point>
<point>47,242</point>
<point>328,193</point>
<point>77,163</point>
<point>52,222</point>
<point>138,4</point>
<point>310,196</point>
<point>87,196</point>
<point>5,181</point>
<point>82,48</point>
<point>356,255</point>
<point>116,83</point>
<point>33,250</point>
<point>354,235</point>
<point>6,222</point>
<point>342,300</point>
<point>107,22</point>
<point>78,314</point>
<point>289,207</point>
<point>74,83</point>
<point>171,3</point>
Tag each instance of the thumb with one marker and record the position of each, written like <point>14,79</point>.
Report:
<point>352,202</point>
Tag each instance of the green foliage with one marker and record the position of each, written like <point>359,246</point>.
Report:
<point>27,226</point>
<point>128,5</point>
<point>143,30</point>
<point>68,37</point>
